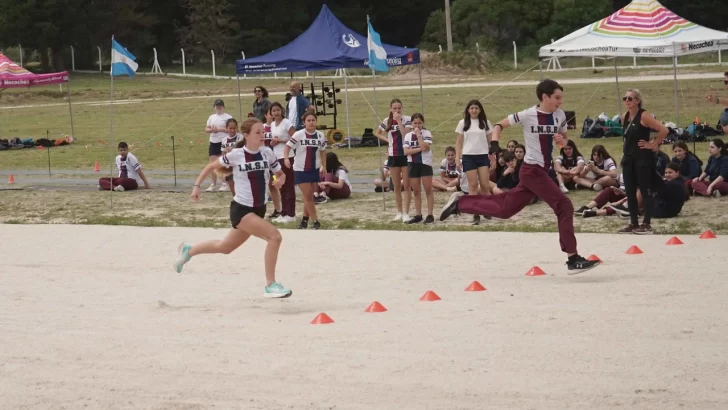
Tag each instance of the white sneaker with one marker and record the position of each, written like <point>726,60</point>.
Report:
<point>398,217</point>
<point>405,218</point>
<point>210,188</point>
<point>284,219</point>
<point>597,187</point>
<point>119,188</point>
<point>563,189</point>
<point>224,187</point>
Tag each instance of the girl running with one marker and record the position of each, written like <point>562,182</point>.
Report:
<point>396,127</point>
<point>417,146</point>
<point>310,164</point>
<point>251,170</point>
<point>282,131</point>
<point>472,148</point>
<point>336,183</point>
<point>275,194</point>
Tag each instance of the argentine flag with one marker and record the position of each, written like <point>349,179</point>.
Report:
<point>377,54</point>
<point>122,61</point>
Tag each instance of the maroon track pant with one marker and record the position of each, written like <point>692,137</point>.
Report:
<point>334,193</point>
<point>534,181</point>
<point>129,184</point>
<point>701,188</point>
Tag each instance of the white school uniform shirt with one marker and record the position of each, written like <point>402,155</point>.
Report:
<point>607,165</point>
<point>343,175</point>
<point>395,137</point>
<point>579,160</point>
<point>539,128</point>
<point>229,142</point>
<point>128,167</point>
<point>281,132</point>
<point>308,147</point>
<point>475,140</point>
<point>251,173</point>
<point>219,121</point>
<point>411,141</point>
<point>450,170</point>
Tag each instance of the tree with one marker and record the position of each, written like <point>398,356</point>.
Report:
<point>210,26</point>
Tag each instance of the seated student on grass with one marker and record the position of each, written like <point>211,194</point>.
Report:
<point>336,183</point>
<point>568,165</point>
<point>511,146</point>
<point>449,175</point>
<point>509,178</point>
<point>714,180</point>
<point>723,102</point>
<point>690,164</point>
<point>608,200</point>
<point>130,173</point>
<point>599,172</point>
<point>497,171</point>
<point>384,182</point>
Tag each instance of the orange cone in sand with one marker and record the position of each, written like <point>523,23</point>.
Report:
<point>375,307</point>
<point>633,250</point>
<point>11,179</point>
<point>535,271</point>
<point>707,235</point>
<point>475,286</point>
<point>322,319</point>
<point>96,167</point>
<point>593,258</point>
<point>429,296</point>
<point>674,241</point>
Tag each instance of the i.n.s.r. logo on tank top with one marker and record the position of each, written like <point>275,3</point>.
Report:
<point>253,166</point>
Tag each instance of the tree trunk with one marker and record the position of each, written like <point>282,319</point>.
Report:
<point>58,63</point>
<point>44,61</point>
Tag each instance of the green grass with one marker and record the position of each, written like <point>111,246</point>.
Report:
<point>147,124</point>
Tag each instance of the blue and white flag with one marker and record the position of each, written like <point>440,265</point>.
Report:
<point>122,61</point>
<point>377,53</point>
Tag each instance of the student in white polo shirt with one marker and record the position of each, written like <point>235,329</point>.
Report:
<point>218,133</point>
<point>130,173</point>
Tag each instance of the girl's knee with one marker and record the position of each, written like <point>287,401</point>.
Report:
<point>275,238</point>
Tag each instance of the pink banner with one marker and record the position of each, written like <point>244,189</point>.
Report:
<point>32,80</point>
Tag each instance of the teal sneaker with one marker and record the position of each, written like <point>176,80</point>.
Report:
<point>183,257</point>
<point>276,290</point>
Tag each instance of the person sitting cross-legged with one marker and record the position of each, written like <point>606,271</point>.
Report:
<point>130,173</point>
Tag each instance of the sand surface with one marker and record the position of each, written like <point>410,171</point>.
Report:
<point>94,317</point>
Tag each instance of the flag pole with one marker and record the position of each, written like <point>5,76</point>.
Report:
<point>376,122</point>
<point>111,134</point>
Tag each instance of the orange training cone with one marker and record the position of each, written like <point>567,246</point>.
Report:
<point>707,235</point>
<point>674,241</point>
<point>475,287</point>
<point>322,319</point>
<point>429,296</point>
<point>96,167</point>
<point>375,307</point>
<point>593,258</point>
<point>535,271</point>
<point>11,179</point>
<point>633,250</point>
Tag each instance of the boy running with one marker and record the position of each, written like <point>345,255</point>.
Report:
<point>542,125</point>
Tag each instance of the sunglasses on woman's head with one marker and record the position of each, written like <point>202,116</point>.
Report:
<point>627,98</point>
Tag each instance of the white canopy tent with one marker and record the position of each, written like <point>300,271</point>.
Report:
<point>643,28</point>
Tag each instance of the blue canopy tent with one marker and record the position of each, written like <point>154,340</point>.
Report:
<point>326,45</point>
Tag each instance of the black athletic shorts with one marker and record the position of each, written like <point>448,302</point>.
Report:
<point>215,149</point>
<point>397,162</point>
<point>416,170</point>
<point>238,212</point>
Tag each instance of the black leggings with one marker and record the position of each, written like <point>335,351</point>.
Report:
<point>639,173</point>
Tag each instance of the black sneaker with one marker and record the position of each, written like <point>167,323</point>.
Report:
<point>320,200</point>
<point>303,224</point>
<point>589,213</point>
<point>581,210</point>
<point>451,207</point>
<point>417,219</point>
<point>629,229</point>
<point>429,220</point>
<point>643,230</point>
<point>274,215</point>
<point>579,264</point>
<point>316,224</point>
<point>476,220</point>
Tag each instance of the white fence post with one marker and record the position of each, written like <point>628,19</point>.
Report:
<point>634,61</point>
<point>245,75</point>
<point>213,62</point>
<point>99,48</point>
<point>515,55</point>
<point>156,69</point>
<point>73,59</point>
<point>594,64</point>
<point>20,47</point>
<point>184,62</point>
<point>477,47</point>
<point>719,57</point>
<point>439,45</point>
